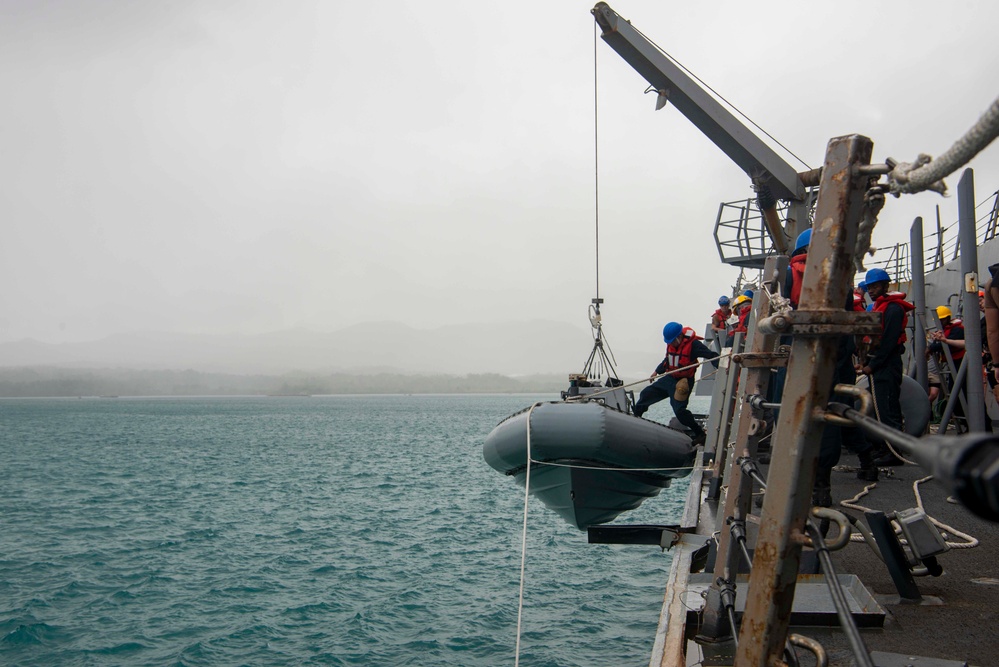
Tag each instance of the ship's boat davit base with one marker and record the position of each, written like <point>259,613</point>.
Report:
<point>595,461</point>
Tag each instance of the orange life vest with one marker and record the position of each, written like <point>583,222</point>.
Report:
<point>743,325</point>
<point>956,353</point>
<point>720,319</point>
<point>881,304</point>
<point>679,353</point>
<point>797,266</point>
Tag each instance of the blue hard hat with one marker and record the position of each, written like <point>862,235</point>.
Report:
<point>671,331</point>
<point>804,238</point>
<point>862,285</point>
<point>748,294</point>
<point>877,276</point>
<point>723,301</point>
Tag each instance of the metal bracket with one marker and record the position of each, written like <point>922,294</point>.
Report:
<point>666,537</point>
<point>822,323</point>
<point>762,359</point>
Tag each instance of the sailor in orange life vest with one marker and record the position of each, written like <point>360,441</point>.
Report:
<point>952,335</point>
<point>884,363</point>
<point>743,309</point>
<point>834,437</point>
<point>683,346</point>
<point>719,319</point>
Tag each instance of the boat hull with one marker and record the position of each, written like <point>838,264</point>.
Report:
<point>592,462</point>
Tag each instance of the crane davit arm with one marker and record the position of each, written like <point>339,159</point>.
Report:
<point>753,156</point>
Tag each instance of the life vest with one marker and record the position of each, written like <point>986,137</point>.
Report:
<point>743,325</point>
<point>720,319</point>
<point>679,353</point>
<point>858,302</point>
<point>797,266</point>
<point>881,304</point>
<point>956,353</point>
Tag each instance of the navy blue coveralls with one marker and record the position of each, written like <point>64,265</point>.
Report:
<point>665,387</point>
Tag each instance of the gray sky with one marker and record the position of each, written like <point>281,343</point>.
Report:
<point>247,167</point>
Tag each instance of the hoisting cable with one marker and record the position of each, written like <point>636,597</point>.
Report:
<point>596,169</point>
<point>720,96</point>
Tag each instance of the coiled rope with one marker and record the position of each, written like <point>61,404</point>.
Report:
<point>928,174</point>
<point>969,541</point>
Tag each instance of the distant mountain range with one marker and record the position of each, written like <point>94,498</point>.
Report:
<point>517,348</point>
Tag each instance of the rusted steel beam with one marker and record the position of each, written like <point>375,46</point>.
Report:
<point>809,379</point>
<point>738,500</point>
<point>762,359</point>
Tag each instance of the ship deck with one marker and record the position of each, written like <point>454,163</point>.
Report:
<point>954,624</point>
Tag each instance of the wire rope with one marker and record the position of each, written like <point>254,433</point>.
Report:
<point>721,97</point>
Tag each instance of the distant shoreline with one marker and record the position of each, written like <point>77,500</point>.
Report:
<point>111,384</point>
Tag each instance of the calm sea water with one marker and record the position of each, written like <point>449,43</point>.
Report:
<point>357,530</point>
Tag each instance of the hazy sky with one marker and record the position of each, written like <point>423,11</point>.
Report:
<point>246,167</point>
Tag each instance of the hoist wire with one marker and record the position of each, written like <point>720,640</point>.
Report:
<point>596,167</point>
<point>721,97</point>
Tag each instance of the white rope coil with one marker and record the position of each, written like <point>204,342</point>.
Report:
<point>969,541</point>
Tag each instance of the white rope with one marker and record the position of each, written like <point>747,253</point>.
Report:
<point>605,468</point>
<point>877,413</point>
<point>970,542</point>
<point>928,174</point>
<point>523,537</point>
<point>653,378</point>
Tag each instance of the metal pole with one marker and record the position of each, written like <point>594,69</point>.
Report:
<point>969,302</point>
<point>919,301</point>
<point>738,501</point>
<point>787,502</point>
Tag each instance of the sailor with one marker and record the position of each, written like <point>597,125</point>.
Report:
<point>683,347</point>
<point>834,437</point>
<point>991,306</point>
<point>743,307</point>
<point>988,361</point>
<point>952,335</point>
<point>883,365</point>
<point>719,319</point>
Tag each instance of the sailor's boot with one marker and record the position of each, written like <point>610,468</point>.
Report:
<point>867,471</point>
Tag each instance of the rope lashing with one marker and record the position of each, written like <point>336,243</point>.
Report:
<point>928,174</point>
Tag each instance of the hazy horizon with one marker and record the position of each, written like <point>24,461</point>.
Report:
<point>210,168</point>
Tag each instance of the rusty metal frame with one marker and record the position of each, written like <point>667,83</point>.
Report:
<point>738,499</point>
<point>787,502</point>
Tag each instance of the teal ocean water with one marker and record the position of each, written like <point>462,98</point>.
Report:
<point>348,530</point>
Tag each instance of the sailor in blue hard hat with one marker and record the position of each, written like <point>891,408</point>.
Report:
<point>833,439</point>
<point>678,368</point>
<point>883,363</point>
<point>720,318</point>
<point>804,239</point>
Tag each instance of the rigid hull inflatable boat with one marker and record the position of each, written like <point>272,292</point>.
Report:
<point>591,458</point>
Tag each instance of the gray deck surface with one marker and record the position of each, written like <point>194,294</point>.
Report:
<point>959,619</point>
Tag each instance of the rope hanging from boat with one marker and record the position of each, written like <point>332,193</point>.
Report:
<point>928,174</point>
<point>523,537</point>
